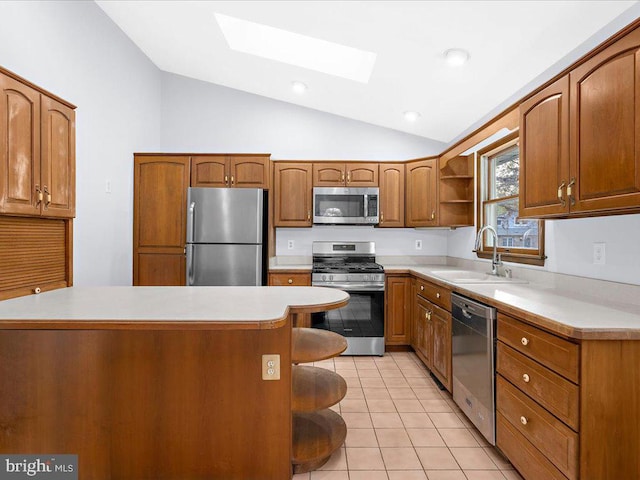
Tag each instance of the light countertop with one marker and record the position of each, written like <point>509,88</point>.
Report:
<point>568,313</point>
<point>166,307</point>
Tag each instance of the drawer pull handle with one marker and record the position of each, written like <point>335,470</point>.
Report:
<point>525,378</point>
<point>524,341</point>
<point>421,287</point>
<point>290,281</point>
<point>523,420</point>
<point>437,295</point>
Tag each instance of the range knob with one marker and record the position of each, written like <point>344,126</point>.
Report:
<point>324,278</point>
<point>331,278</point>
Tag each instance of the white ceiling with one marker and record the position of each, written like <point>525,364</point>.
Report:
<point>510,43</point>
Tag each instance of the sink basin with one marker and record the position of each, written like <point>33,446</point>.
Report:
<point>472,276</point>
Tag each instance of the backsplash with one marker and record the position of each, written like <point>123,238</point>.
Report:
<point>389,241</point>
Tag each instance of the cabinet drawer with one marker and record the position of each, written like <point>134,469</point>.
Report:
<point>553,438</point>
<point>293,279</point>
<point>549,389</point>
<point>559,355</point>
<point>435,294</point>
<point>531,464</point>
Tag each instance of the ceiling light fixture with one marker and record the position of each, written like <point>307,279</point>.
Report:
<point>299,87</point>
<point>296,49</point>
<point>456,57</point>
<point>411,116</point>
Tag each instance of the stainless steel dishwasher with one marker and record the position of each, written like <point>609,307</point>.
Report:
<point>473,363</point>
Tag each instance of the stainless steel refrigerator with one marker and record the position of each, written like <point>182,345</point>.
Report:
<point>225,231</point>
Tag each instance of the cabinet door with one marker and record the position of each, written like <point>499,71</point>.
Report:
<point>362,174</point>
<point>425,331</point>
<point>19,148</point>
<point>397,304</point>
<point>441,365</point>
<point>421,195</point>
<point>605,128</point>
<point>210,171</point>
<point>58,161</point>
<point>159,219</point>
<point>329,174</point>
<point>249,171</point>
<point>544,152</point>
<point>292,189</point>
<point>391,195</point>
<point>161,269</point>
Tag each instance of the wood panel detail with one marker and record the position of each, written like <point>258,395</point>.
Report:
<point>391,195</point>
<point>292,194</point>
<point>33,254</point>
<point>421,194</point>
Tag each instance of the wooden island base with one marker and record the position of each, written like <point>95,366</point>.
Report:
<point>138,404</point>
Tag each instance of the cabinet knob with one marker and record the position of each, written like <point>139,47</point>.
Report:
<point>524,341</point>
<point>422,287</point>
<point>381,217</point>
<point>523,420</point>
<point>572,199</point>
<point>47,196</point>
<point>525,378</point>
<point>39,196</point>
<point>560,196</point>
<point>308,215</point>
<point>433,215</point>
<point>232,180</point>
<point>36,290</point>
<point>290,281</point>
<point>348,177</point>
<point>437,295</point>
<point>226,179</point>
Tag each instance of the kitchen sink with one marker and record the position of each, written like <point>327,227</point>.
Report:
<point>472,276</point>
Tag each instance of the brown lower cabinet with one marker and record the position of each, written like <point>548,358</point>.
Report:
<point>567,409</point>
<point>431,328</point>
<point>397,310</point>
<point>293,278</point>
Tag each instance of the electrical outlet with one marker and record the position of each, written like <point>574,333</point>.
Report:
<point>599,254</point>
<point>290,244</point>
<point>107,186</point>
<point>271,367</point>
<point>418,244</point>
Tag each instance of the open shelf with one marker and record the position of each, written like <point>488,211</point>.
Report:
<point>315,388</point>
<point>314,344</point>
<point>316,435</point>
<point>456,192</point>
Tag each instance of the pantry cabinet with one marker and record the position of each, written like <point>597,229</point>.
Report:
<point>231,171</point>
<point>337,174</point>
<point>292,194</point>
<point>391,195</point>
<point>159,219</point>
<point>580,136</point>
<point>422,193</point>
<point>37,149</point>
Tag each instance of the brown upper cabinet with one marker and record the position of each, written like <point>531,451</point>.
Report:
<point>292,190</point>
<point>160,186</point>
<point>37,152</point>
<point>581,138</point>
<point>391,195</point>
<point>337,174</point>
<point>232,171</point>
<point>421,194</point>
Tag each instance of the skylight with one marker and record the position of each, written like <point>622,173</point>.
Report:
<point>295,49</point>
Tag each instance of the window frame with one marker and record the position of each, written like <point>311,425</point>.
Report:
<point>483,186</point>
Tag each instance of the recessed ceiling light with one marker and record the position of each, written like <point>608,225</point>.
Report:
<point>295,49</point>
<point>299,87</point>
<point>411,116</point>
<point>456,56</point>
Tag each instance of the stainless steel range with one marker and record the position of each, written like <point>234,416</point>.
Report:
<point>351,266</point>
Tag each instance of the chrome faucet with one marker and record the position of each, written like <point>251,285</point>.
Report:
<point>496,261</point>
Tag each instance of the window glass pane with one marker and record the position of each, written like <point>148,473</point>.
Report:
<point>505,168</point>
<point>512,232</point>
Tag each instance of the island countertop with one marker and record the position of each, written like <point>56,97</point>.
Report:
<point>166,307</point>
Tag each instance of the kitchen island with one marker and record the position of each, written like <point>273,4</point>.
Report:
<point>153,382</point>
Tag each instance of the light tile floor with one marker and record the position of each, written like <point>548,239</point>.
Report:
<point>400,426</point>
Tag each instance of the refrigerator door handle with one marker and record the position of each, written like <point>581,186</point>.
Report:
<point>191,222</point>
<point>190,272</point>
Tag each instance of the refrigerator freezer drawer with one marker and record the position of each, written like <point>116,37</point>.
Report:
<point>218,265</point>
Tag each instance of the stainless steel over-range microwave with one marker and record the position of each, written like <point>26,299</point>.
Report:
<point>345,205</point>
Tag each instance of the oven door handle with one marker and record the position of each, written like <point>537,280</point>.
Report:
<point>352,287</point>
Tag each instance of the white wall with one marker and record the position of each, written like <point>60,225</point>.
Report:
<point>569,247</point>
<point>389,241</point>
<point>75,51</point>
<point>202,117</point>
